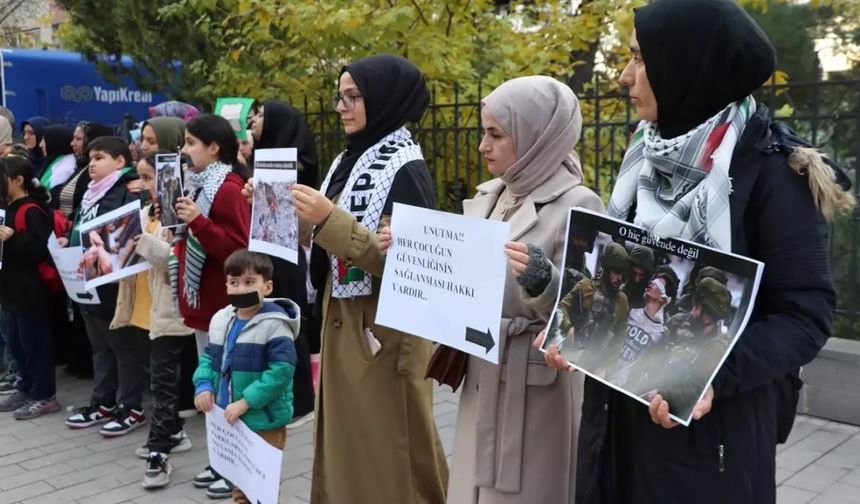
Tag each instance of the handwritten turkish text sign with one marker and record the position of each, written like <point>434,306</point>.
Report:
<point>242,457</point>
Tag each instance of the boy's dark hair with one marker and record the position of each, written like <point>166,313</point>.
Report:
<point>112,146</point>
<point>244,260</point>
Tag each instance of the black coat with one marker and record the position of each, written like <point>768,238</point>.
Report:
<point>729,455</point>
<point>21,287</point>
<point>116,197</point>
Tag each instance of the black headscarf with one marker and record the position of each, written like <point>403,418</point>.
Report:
<point>284,126</point>
<point>394,93</point>
<point>58,142</point>
<point>37,157</point>
<point>700,56</point>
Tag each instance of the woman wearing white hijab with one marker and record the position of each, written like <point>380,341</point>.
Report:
<point>517,426</point>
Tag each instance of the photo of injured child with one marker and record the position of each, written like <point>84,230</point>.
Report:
<point>108,244</point>
<point>274,222</point>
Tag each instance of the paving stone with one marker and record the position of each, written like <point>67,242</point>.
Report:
<point>790,495</point>
<point>43,462</point>
<point>816,478</point>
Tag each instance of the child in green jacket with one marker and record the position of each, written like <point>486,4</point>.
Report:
<point>247,368</point>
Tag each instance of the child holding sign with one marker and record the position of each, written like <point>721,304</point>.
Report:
<point>248,366</point>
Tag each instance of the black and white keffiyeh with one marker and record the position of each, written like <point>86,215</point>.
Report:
<point>205,184</point>
<point>364,198</point>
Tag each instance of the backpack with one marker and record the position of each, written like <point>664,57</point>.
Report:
<point>47,271</point>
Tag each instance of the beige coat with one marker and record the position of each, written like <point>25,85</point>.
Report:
<point>518,421</point>
<point>164,321</point>
<point>375,438</point>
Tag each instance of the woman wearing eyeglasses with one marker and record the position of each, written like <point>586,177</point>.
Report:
<point>376,440</point>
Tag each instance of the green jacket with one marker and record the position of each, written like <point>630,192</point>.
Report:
<point>261,363</point>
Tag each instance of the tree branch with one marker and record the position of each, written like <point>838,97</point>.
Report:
<point>420,13</point>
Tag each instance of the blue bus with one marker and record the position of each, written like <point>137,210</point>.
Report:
<point>66,88</point>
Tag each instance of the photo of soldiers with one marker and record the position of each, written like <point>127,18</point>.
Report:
<point>646,332</point>
<point>641,269</point>
<point>581,242</point>
<point>697,341</point>
<point>593,314</point>
<point>660,315</point>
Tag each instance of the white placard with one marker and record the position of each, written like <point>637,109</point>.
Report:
<point>108,246</point>
<point>67,261</point>
<point>244,458</point>
<point>274,222</point>
<point>445,279</point>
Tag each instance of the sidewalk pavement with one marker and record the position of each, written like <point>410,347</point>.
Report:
<point>43,462</point>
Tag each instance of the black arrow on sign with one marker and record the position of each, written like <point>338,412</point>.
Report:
<point>85,295</point>
<point>480,338</point>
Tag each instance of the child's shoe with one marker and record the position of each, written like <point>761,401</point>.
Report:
<point>158,471</point>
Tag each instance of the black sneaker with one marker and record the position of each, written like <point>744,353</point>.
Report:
<point>221,489</point>
<point>206,478</point>
<point>89,416</point>
<point>158,471</point>
<point>125,421</point>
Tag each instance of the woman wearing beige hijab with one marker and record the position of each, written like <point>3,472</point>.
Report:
<point>517,426</point>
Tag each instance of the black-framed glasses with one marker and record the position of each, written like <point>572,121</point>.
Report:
<point>348,100</point>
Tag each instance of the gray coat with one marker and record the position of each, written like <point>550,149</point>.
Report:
<point>516,433</point>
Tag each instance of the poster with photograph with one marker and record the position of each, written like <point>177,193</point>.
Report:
<point>109,248</point>
<point>274,222</point>
<point>168,176</point>
<point>647,315</point>
<point>68,260</point>
<point>236,110</point>
<point>2,223</point>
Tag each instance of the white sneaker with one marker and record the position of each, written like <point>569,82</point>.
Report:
<point>158,471</point>
<point>187,413</point>
<point>181,443</point>
<point>298,422</point>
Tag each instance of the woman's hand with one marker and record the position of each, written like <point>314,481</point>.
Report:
<point>518,257</point>
<point>6,232</point>
<point>311,205</point>
<point>186,209</point>
<point>384,241</point>
<point>248,191</point>
<point>659,409</point>
<point>552,356</point>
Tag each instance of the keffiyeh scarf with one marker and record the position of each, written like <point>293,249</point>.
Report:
<point>364,197</point>
<point>205,184</point>
<point>681,186</point>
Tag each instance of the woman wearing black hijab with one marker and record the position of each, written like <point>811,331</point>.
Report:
<point>282,126</point>
<point>33,130</point>
<point>376,440</point>
<point>707,164</point>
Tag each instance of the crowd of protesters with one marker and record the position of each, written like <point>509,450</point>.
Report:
<point>279,344</point>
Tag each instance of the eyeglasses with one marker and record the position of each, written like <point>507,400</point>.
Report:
<point>348,100</point>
